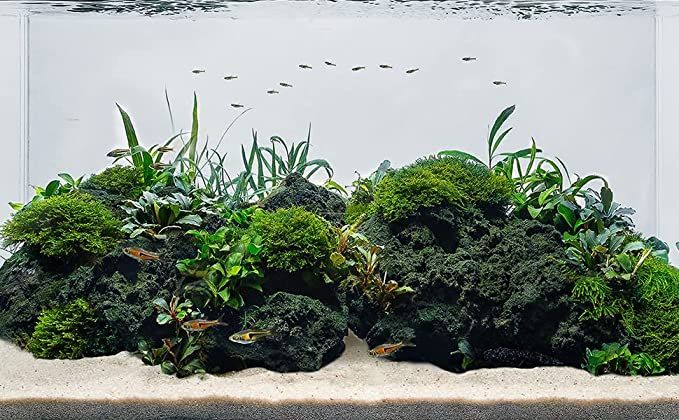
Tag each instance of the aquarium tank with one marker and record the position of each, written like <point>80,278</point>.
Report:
<point>318,201</point>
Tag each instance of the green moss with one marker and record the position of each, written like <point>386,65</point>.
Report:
<point>294,239</point>
<point>66,332</point>
<point>432,182</point>
<point>654,321</point>
<point>120,180</point>
<point>64,226</point>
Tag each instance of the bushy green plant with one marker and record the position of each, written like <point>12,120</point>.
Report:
<point>439,181</point>
<point>65,332</point>
<point>121,180</point>
<point>229,260</point>
<point>64,225</point>
<point>617,358</point>
<point>152,215</point>
<point>363,193</point>
<point>65,184</point>
<point>294,238</point>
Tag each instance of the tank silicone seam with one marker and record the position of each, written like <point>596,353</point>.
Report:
<point>24,63</point>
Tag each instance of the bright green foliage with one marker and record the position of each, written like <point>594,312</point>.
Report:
<point>64,226</point>
<point>152,215</point>
<point>654,323</point>
<point>294,239</point>
<point>120,180</point>
<point>363,194</point>
<point>65,184</point>
<point>66,332</point>
<point>439,181</point>
<point>616,358</point>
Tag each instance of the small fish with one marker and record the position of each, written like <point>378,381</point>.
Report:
<point>196,325</point>
<point>286,85</point>
<point>468,58</point>
<point>116,153</point>
<point>159,166</point>
<point>304,66</point>
<point>499,83</point>
<point>272,92</point>
<point>358,68</point>
<point>164,149</point>
<point>237,105</point>
<point>141,254</point>
<point>249,336</point>
<point>329,63</point>
<point>389,349</point>
<point>385,66</point>
<point>411,71</point>
<point>197,71</point>
<point>230,77</point>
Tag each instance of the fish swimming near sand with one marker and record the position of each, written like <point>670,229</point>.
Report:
<point>389,348</point>
<point>237,105</point>
<point>230,77</point>
<point>272,92</point>
<point>499,83</point>
<point>305,67</point>
<point>411,71</point>
<point>385,66</point>
<point>358,68</point>
<point>117,153</point>
<point>141,254</point>
<point>249,336</point>
<point>468,58</point>
<point>285,85</point>
<point>197,325</point>
<point>197,71</point>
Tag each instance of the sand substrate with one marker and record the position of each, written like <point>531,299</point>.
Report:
<point>354,386</point>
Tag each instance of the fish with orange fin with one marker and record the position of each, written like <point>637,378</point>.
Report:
<point>197,325</point>
<point>389,348</point>
<point>141,254</point>
<point>249,336</point>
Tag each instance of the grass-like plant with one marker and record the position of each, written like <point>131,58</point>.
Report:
<point>66,225</point>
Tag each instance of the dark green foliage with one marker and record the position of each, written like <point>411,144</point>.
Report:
<point>153,215</point>
<point>66,225</point>
<point>296,190</point>
<point>68,332</point>
<point>616,358</point>
<point>363,194</point>
<point>306,334</point>
<point>294,239</point>
<point>120,180</point>
<point>446,181</point>
<point>498,282</point>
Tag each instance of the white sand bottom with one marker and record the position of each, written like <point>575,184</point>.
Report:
<point>354,377</point>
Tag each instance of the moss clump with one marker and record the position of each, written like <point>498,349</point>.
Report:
<point>120,180</point>
<point>64,226</point>
<point>439,181</point>
<point>294,239</point>
<point>654,321</point>
<point>66,332</point>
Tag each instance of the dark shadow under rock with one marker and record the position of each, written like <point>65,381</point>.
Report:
<point>296,190</point>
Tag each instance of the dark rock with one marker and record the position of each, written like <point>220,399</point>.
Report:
<point>307,335</point>
<point>296,190</point>
<point>497,282</point>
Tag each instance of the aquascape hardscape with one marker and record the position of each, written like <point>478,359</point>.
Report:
<point>466,262</point>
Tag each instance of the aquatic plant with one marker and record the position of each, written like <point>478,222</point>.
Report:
<point>439,181</point>
<point>229,261</point>
<point>617,358</point>
<point>294,239</point>
<point>67,332</point>
<point>175,311</point>
<point>121,180</point>
<point>66,225</point>
<point>152,215</point>
<point>363,193</point>
<point>65,184</point>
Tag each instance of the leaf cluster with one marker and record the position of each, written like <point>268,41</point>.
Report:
<point>617,358</point>
<point>152,215</point>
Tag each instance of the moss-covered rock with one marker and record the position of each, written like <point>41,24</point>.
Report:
<point>306,334</point>
<point>124,181</point>
<point>496,282</point>
<point>296,190</point>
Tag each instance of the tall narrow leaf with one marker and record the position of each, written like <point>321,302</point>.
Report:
<point>131,135</point>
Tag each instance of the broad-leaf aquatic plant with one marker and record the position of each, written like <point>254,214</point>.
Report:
<point>153,215</point>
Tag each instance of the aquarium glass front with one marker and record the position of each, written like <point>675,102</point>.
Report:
<point>221,185</point>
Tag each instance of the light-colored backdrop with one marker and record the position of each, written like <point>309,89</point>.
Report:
<point>585,89</point>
